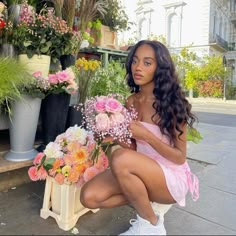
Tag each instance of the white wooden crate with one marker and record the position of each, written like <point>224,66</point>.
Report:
<point>62,202</point>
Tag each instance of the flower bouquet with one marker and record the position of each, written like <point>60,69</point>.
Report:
<point>107,116</point>
<point>61,81</point>
<point>68,159</point>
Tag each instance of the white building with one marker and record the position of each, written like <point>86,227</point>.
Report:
<point>206,26</point>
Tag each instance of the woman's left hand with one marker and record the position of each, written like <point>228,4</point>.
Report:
<point>138,130</point>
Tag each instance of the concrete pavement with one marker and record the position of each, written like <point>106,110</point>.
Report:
<point>212,160</point>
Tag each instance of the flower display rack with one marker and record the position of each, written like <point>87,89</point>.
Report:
<point>62,202</point>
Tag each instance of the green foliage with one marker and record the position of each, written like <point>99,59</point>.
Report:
<point>210,88</point>
<point>193,135</point>
<point>12,77</point>
<point>186,67</point>
<point>213,68</point>
<point>110,80</point>
<point>115,17</point>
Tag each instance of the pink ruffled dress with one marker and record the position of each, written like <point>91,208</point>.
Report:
<point>179,178</point>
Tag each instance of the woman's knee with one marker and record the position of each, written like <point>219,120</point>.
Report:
<point>88,197</point>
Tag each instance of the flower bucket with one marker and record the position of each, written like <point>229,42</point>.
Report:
<point>23,126</point>
<point>36,63</point>
<point>62,202</point>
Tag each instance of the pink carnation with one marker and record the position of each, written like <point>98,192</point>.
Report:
<point>38,158</point>
<point>90,173</point>
<point>102,162</point>
<point>32,172</point>
<point>113,105</point>
<point>42,173</point>
<point>59,178</point>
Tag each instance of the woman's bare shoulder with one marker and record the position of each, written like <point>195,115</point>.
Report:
<point>130,100</point>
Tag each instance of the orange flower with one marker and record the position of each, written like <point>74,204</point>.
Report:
<point>58,162</point>
<point>80,168</point>
<point>80,155</point>
<point>73,176</point>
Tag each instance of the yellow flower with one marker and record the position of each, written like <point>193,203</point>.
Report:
<point>65,170</point>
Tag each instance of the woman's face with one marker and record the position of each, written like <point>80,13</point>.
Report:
<point>144,65</point>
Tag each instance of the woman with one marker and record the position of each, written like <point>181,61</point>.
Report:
<point>154,167</point>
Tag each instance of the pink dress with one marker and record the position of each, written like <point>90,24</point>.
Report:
<point>179,178</point>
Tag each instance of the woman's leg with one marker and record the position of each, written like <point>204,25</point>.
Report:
<point>141,180</point>
<point>133,178</point>
<point>103,191</point>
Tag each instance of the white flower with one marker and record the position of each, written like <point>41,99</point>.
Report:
<point>53,150</point>
<point>76,133</point>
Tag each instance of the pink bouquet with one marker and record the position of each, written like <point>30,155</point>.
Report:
<point>61,81</point>
<point>106,116</point>
<point>69,158</point>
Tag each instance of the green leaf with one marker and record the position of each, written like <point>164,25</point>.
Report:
<point>27,43</point>
<point>193,135</point>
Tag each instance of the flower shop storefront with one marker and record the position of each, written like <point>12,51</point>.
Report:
<point>33,47</point>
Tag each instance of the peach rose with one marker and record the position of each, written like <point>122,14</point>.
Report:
<point>102,122</point>
<point>117,118</point>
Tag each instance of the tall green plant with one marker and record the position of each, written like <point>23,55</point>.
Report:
<point>12,77</point>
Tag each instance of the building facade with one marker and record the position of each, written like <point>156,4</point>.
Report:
<point>207,27</point>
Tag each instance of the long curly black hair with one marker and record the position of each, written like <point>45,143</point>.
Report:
<point>171,105</point>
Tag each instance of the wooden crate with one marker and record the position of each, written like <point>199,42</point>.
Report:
<point>108,38</point>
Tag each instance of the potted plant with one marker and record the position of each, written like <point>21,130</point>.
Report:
<point>113,20</point>
<point>55,105</point>
<point>10,79</point>
<point>21,100</point>
<point>41,34</point>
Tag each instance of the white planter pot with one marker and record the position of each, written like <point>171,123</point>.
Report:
<point>36,63</point>
<point>62,202</point>
<point>23,126</point>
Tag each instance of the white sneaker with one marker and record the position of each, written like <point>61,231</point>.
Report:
<point>141,226</point>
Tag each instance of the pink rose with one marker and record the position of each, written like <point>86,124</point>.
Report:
<point>102,122</point>
<point>112,105</point>
<point>52,79</point>
<point>62,76</point>
<point>117,118</point>
<point>100,106</point>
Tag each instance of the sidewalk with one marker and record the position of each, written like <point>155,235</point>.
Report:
<point>212,160</point>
